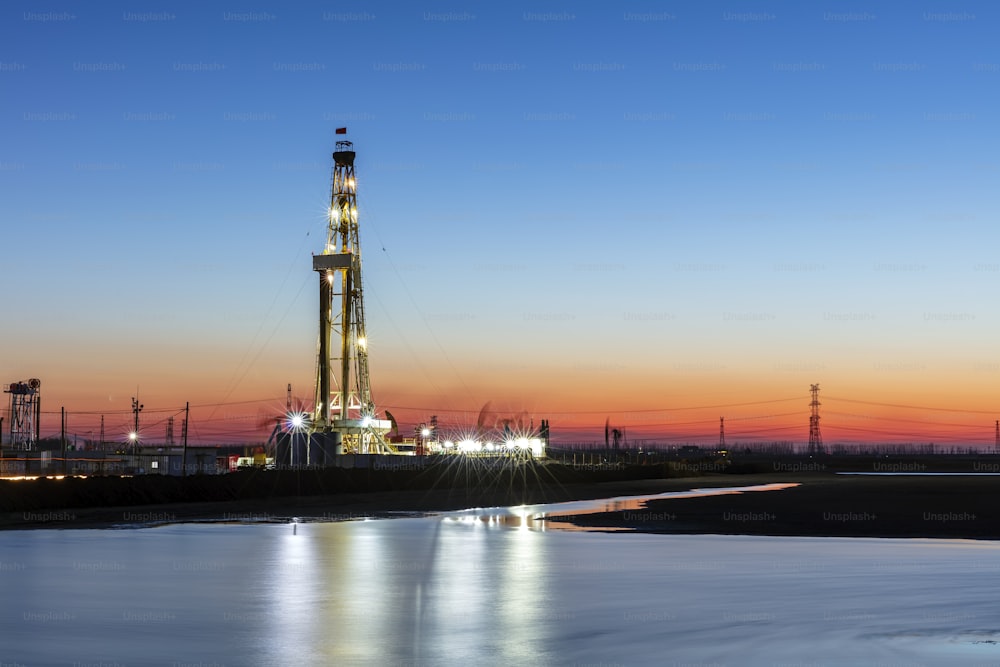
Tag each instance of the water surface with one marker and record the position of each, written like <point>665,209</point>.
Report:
<point>470,588</point>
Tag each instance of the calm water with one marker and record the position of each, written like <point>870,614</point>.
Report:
<point>489,587</point>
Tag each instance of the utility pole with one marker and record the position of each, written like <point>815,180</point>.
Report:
<point>136,409</point>
<point>134,435</point>
<point>722,433</point>
<point>62,437</point>
<point>184,436</point>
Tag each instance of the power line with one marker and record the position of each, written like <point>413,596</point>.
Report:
<point>617,412</point>
<point>912,407</point>
<point>907,421</point>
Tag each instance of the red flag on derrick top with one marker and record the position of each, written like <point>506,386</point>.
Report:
<point>341,130</point>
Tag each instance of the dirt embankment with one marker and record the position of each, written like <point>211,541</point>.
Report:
<point>823,503</point>
<point>325,493</point>
<point>829,505</point>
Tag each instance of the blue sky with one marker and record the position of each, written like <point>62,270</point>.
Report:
<point>565,207</point>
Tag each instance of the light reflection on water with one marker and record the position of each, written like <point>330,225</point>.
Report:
<point>547,517</point>
<point>489,587</point>
<point>390,592</point>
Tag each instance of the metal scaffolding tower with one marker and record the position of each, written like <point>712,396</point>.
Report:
<point>25,413</point>
<point>344,404</point>
<point>815,440</point>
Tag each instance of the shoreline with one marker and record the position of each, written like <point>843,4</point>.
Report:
<point>821,505</point>
<point>349,506</point>
<point>920,506</point>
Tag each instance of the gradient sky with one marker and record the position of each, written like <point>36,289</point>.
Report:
<point>655,212</point>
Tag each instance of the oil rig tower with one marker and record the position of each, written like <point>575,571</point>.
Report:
<point>25,413</point>
<point>815,441</point>
<point>345,412</point>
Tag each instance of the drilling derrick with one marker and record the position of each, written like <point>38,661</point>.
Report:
<point>344,405</point>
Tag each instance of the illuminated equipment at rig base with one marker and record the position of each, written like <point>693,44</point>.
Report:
<point>344,420</point>
<point>505,438</point>
<point>25,413</point>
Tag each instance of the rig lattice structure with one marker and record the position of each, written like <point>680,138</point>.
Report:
<point>344,406</point>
